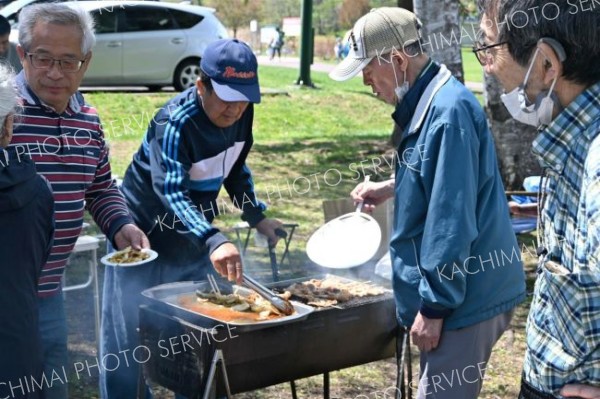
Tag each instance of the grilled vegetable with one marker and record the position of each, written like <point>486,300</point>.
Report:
<point>240,303</point>
<point>128,255</point>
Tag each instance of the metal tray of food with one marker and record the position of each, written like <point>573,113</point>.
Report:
<point>281,286</point>
<point>167,298</point>
<point>374,280</point>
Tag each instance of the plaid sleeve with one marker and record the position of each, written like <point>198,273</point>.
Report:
<point>563,329</point>
<point>593,205</point>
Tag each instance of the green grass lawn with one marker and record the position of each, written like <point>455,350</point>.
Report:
<point>302,138</point>
<point>308,142</point>
<point>472,68</point>
<point>334,112</point>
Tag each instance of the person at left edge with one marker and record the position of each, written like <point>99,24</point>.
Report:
<point>197,143</point>
<point>63,136</point>
<point>26,233</point>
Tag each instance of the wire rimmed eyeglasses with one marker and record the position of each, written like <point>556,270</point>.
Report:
<point>482,51</point>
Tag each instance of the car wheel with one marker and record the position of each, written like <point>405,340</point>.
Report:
<point>186,74</point>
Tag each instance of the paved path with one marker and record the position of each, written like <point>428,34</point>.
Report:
<point>294,62</point>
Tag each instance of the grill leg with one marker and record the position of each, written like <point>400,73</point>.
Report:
<point>326,386</point>
<point>403,358</point>
<point>141,387</point>
<point>408,366</point>
<point>399,365</point>
<point>211,381</point>
<point>293,388</point>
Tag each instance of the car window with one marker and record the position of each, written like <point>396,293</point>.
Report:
<point>106,22</point>
<point>186,20</point>
<point>11,11</point>
<point>147,19</point>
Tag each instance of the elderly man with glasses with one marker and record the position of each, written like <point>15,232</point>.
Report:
<point>546,55</point>
<point>63,136</point>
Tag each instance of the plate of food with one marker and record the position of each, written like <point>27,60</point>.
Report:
<point>129,257</point>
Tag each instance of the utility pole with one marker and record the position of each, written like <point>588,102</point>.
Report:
<point>306,44</point>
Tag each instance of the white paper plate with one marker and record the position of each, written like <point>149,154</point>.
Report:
<point>347,241</point>
<point>153,255</point>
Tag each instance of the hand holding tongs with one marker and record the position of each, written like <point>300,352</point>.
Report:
<point>284,306</point>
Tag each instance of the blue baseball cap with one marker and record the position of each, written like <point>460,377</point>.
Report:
<point>233,70</point>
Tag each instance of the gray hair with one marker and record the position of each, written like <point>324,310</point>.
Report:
<point>8,95</point>
<point>521,23</point>
<point>59,14</point>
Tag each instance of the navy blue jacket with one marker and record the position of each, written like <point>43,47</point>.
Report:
<point>174,180</point>
<point>26,231</point>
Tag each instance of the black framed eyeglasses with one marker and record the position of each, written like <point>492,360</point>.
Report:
<point>41,61</point>
<point>482,51</point>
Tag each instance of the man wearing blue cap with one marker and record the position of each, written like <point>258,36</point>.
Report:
<point>197,143</point>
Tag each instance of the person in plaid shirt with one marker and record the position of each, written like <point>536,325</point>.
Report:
<point>547,57</point>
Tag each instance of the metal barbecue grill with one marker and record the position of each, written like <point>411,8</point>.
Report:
<point>360,331</point>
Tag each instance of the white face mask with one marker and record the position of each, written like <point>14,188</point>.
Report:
<point>400,90</point>
<point>537,114</point>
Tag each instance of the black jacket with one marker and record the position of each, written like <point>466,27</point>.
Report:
<point>26,233</point>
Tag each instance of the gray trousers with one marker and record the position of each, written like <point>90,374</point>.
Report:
<point>456,368</point>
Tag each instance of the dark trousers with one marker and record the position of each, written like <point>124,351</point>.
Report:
<point>121,299</point>
<point>529,392</point>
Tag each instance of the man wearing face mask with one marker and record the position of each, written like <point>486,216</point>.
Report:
<point>457,273</point>
<point>549,65</point>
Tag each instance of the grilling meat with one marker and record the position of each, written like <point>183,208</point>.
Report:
<point>331,291</point>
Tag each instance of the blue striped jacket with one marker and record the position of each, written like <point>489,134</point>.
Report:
<point>173,182</point>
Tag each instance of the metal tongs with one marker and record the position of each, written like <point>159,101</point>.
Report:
<point>283,305</point>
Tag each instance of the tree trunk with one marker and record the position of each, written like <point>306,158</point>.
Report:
<point>441,32</point>
<point>513,139</point>
<point>407,4</point>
